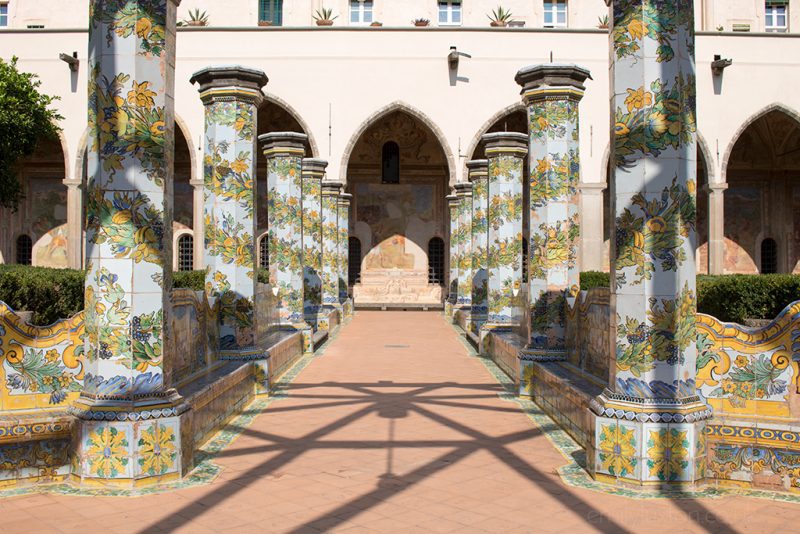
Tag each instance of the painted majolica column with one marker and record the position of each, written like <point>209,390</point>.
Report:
<point>343,237</point>
<point>313,173</point>
<point>231,96</point>
<point>478,171</point>
<point>464,241</point>
<point>453,258</point>
<point>551,93</point>
<point>506,152</point>
<point>284,152</point>
<point>650,420</point>
<point>130,424</point>
<point>330,244</point>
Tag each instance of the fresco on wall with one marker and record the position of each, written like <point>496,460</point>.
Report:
<point>399,218</point>
<point>51,249</point>
<point>743,209</point>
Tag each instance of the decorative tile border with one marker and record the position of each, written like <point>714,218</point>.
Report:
<point>205,471</point>
<point>574,474</point>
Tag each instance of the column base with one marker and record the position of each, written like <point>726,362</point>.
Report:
<point>648,442</point>
<point>132,443</point>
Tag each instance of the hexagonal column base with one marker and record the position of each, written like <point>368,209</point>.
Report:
<point>648,442</point>
<point>119,446</point>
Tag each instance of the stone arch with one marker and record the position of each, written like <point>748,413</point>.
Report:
<point>762,196</point>
<point>775,106</point>
<point>80,158</point>
<point>476,139</point>
<point>312,142</point>
<point>399,105</point>
<point>184,128</point>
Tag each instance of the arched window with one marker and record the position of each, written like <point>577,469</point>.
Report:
<point>24,249</point>
<point>270,12</point>
<point>436,261</point>
<point>354,260</point>
<point>390,158</point>
<point>769,256</point>
<point>524,260</point>
<point>263,252</point>
<point>185,252</point>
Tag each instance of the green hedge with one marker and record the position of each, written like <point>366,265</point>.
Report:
<point>51,294</point>
<point>732,297</point>
<point>54,294</point>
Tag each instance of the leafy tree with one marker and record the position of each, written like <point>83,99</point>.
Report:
<point>25,118</point>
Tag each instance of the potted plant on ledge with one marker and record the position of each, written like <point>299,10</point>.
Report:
<point>500,17</point>
<point>602,22</point>
<point>325,16</point>
<point>421,22</point>
<point>376,24</point>
<point>197,18</point>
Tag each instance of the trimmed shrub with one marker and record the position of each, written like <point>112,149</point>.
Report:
<point>732,297</point>
<point>736,297</point>
<point>590,279</point>
<point>194,280</point>
<point>51,294</point>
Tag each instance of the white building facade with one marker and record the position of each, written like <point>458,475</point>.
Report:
<point>354,86</point>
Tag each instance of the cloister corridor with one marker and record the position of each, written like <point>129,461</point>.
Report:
<point>395,427</point>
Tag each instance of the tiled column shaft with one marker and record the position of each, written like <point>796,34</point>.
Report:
<point>330,243</point>
<point>128,245</point>
<point>505,152</point>
<point>551,93</point>
<point>464,234</point>
<point>479,177</point>
<point>284,152</point>
<point>313,173</point>
<point>343,236</point>
<point>231,96</point>
<point>452,295</point>
<point>650,420</point>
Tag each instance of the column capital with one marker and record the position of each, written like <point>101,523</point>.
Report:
<point>452,201</point>
<point>289,143</point>
<point>477,169</point>
<point>344,199</point>
<point>332,187</point>
<point>463,189</point>
<point>552,81</point>
<point>506,142</point>
<point>592,188</point>
<point>229,83</point>
<point>314,167</point>
<point>717,188</point>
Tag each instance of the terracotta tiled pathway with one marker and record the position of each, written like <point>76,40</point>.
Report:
<point>394,428</point>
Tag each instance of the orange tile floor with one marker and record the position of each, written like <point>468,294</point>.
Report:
<point>394,428</point>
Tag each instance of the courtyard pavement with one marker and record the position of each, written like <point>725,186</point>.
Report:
<point>395,428</point>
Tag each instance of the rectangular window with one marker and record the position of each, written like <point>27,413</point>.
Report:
<point>776,16</point>
<point>450,13</point>
<point>555,13</point>
<point>271,11</point>
<point>360,11</point>
<point>3,15</point>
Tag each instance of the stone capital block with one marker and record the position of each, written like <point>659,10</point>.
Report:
<point>552,80</point>
<point>230,82</point>
<point>512,143</point>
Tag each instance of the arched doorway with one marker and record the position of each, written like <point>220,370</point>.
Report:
<point>36,233</point>
<point>762,202</point>
<point>398,172</point>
